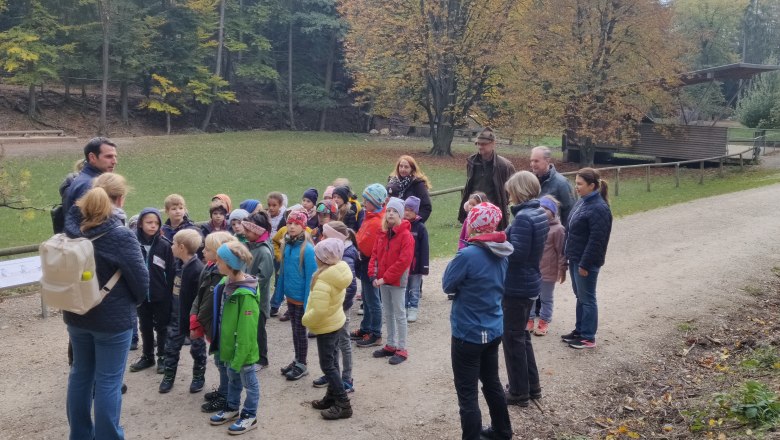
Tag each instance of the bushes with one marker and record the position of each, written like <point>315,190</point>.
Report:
<point>760,106</point>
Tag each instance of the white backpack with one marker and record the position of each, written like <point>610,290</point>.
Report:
<point>69,281</point>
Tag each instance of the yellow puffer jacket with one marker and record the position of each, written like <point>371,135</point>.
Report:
<point>325,309</point>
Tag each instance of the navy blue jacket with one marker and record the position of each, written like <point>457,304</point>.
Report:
<point>556,185</point>
<point>184,292</point>
<point>590,224</point>
<point>476,277</point>
<point>350,257</point>
<point>117,249</point>
<point>527,234</point>
<point>421,251</point>
<point>80,185</point>
<point>159,261</point>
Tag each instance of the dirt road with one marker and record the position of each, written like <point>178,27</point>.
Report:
<point>684,262</point>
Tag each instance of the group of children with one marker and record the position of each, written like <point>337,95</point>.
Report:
<point>211,287</point>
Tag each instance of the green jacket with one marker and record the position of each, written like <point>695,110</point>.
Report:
<point>262,268</point>
<point>238,328</point>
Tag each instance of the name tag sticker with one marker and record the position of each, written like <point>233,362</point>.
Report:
<point>158,262</point>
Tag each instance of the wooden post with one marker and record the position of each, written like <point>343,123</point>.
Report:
<point>741,163</point>
<point>720,167</point>
<point>647,175</point>
<point>44,310</point>
<point>677,175</point>
<point>701,174</point>
<point>617,182</point>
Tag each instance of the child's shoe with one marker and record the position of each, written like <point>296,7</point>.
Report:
<point>542,328</point>
<point>324,403</point>
<point>211,395</point>
<point>360,309</point>
<point>398,357</point>
<point>369,341</point>
<point>320,382</point>
<point>161,365</point>
<point>167,382</point>
<point>349,386</point>
<point>286,369</point>
<point>529,327</point>
<point>385,351</point>
<point>243,425</point>
<point>216,404</point>
<point>274,312</point>
<point>298,371</point>
<point>411,314</point>
<point>285,317</point>
<point>198,379</point>
<point>142,363</point>
<point>357,334</point>
<point>223,416</point>
<point>342,409</point>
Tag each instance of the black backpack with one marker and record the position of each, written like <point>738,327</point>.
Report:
<point>58,211</point>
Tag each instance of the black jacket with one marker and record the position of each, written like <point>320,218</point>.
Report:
<point>527,234</point>
<point>419,189</point>
<point>159,261</point>
<point>590,225</point>
<point>421,252</point>
<point>185,290</point>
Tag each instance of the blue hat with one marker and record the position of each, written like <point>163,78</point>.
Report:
<point>249,205</point>
<point>311,194</point>
<point>375,194</point>
<point>413,203</point>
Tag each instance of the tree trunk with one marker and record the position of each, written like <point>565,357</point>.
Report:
<point>67,90</point>
<point>83,99</point>
<point>31,101</point>
<point>587,153</point>
<point>218,67</point>
<point>123,98</point>
<point>289,75</point>
<point>329,75</point>
<point>103,5</point>
<point>442,139</point>
<point>167,123</point>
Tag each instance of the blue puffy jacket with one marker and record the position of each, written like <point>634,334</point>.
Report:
<point>117,249</point>
<point>295,279</point>
<point>527,234</point>
<point>590,225</point>
<point>476,277</point>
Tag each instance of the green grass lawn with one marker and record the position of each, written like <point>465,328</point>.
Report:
<point>251,164</point>
<point>749,133</point>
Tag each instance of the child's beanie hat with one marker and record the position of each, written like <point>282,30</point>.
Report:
<point>238,214</point>
<point>249,205</point>
<point>484,218</point>
<point>297,217</point>
<point>396,204</point>
<point>329,251</point>
<point>375,194</point>
<point>413,203</point>
<point>311,194</point>
<point>328,192</point>
<point>330,232</point>
<point>225,199</point>
<point>342,191</point>
<point>328,207</point>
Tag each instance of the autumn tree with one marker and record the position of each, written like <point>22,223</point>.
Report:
<point>435,56</point>
<point>162,99</point>
<point>594,68</point>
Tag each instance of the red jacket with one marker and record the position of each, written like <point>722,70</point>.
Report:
<point>369,231</point>
<point>393,254</point>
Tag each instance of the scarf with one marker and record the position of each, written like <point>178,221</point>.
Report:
<point>403,184</point>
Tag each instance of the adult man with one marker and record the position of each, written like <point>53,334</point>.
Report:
<point>486,171</point>
<point>552,182</point>
<point>99,158</point>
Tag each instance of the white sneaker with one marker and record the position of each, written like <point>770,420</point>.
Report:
<point>411,314</point>
<point>243,425</point>
<point>223,417</point>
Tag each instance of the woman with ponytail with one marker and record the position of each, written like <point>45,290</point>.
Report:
<point>590,224</point>
<point>101,337</point>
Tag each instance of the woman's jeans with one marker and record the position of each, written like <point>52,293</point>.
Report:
<point>472,363</point>
<point>98,366</point>
<point>587,310</point>
<point>393,299</point>
<point>246,379</point>
<point>518,350</point>
<point>413,291</point>
<point>546,302</point>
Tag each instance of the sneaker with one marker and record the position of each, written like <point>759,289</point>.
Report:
<point>243,425</point>
<point>529,327</point>
<point>450,296</point>
<point>211,395</point>
<point>298,371</point>
<point>570,337</point>
<point>288,368</point>
<point>349,386</point>
<point>142,363</point>
<point>274,312</point>
<point>398,357</point>
<point>161,365</point>
<point>385,351</point>
<point>370,341</point>
<point>223,416</point>
<point>167,382</point>
<point>217,404</point>
<point>320,382</point>
<point>285,317</point>
<point>411,314</point>
<point>583,343</point>
<point>357,335</point>
<point>542,328</point>
<point>134,345</point>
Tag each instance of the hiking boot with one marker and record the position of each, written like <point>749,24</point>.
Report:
<point>513,399</point>
<point>411,314</point>
<point>134,345</point>
<point>385,351</point>
<point>287,368</point>
<point>161,365</point>
<point>274,312</point>
<point>583,343</point>
<point>357,335</point>
<point>529,327</point>
<point>243,425</point>
<point>285,317</point>
<point>349,386</point>
<point>223,416</point>
<point>142,363</point>
<point>571,337</point>
<point>320,382</point>
<point>542,328</point>
<point>370,341</point>
<point>167,382</point>
<point>198,379</point>
<point>326,402</point>
<point>216,404</point>
<point>342,409</point>
<point>298,371</point>
<point>398,357</point>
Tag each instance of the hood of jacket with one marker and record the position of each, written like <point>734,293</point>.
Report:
<point>495,242</point>
<point>139,233</point>
<point>533,203</point>
<point>249,282</point>
<point>339,275</point>
<point>404,225</point>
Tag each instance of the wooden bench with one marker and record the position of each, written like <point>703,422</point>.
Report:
<point>30,133</point>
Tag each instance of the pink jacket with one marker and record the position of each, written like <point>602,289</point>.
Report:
<point>553,258</point>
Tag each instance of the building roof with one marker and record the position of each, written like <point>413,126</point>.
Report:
<point>725,72</point>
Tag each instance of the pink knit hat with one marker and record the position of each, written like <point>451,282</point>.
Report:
<point>298,217</point>
<point>328,192</point>
<point>330,232</point>
<point>484,218</point>
<point>329,251</point>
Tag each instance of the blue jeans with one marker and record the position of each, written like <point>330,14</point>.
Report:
<point>413,291</point>
<point>372,305</point>
<point>246,379</point>
<point>587,309</point>
<point>98,365</point>
<point>546,301</point>
<point>223,376</point>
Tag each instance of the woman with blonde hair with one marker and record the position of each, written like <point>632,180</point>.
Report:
<point>406,180</point>
<point>101,337</point>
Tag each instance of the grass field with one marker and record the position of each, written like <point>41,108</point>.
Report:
<point>251,164</point>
